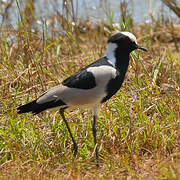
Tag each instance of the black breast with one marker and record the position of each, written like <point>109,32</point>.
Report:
<point>113,86</point>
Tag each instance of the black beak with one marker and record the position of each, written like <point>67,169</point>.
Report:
<point>139,47</point>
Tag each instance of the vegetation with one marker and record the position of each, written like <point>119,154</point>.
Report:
<point>173,5</point>
<point>138,129</point>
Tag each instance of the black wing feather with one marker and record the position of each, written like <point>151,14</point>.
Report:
<point>84,79</point>
<point>81,80</point>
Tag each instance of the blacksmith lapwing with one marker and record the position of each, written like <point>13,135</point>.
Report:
<point>92,85</point>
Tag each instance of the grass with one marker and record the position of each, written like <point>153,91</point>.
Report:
<point>138,129</point>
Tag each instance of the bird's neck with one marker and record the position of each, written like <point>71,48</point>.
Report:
<point>110,49</point>
<point>122,62</point>
<point>117,57</point>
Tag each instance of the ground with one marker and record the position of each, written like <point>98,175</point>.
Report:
<point>138,128</point>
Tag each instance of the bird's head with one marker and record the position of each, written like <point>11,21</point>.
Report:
<point>121,43</point>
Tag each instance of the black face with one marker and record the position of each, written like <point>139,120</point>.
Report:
<point>124,43</point>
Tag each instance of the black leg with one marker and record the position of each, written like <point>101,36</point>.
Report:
<point>95,143</point>
<point>75,147</point>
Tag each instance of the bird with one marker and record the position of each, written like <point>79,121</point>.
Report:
<point>91,86</point>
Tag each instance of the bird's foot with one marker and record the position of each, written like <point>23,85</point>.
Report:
<point>74,150</point>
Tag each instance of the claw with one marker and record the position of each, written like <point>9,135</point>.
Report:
<point>74,150</point>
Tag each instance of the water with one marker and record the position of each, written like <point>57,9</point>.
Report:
<point>94,9</point>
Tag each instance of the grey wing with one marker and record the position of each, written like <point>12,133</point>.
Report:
<point>73,96</point>
<point>103,74</point>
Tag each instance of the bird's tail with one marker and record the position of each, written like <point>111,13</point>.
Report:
<point>36,108</point>
<point>30,107</point>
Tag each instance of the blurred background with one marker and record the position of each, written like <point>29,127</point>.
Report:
<point>53,13</point>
